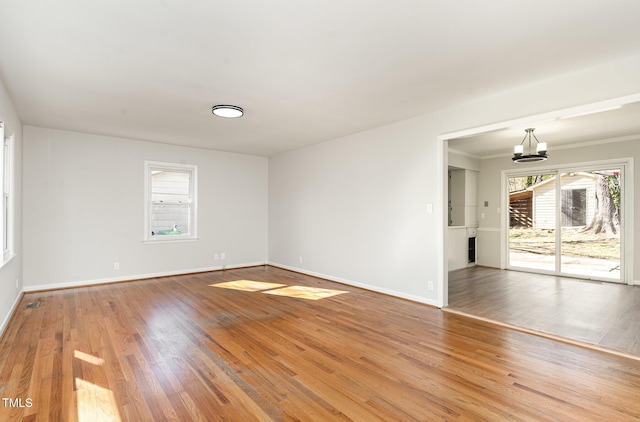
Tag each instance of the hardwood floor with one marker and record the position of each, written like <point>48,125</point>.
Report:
<point>599,313</point>
<point>178,348</point>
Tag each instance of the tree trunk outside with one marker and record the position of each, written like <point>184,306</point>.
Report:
<point>606,218</point>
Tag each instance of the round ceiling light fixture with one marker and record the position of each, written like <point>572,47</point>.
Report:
<point>228,111</point>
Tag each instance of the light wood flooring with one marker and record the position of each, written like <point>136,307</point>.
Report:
<point>599,313</point>
<point>184,348</point>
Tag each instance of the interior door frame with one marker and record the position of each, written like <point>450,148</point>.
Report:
<point>626,218</point>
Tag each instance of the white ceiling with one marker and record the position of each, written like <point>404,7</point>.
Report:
<point>305,71</point>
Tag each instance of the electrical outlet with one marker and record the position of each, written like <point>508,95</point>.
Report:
<point>430,285</point>
<point>222,255</point>
<point>17,283</point>
<point>216,257</point>
<point>300,259</point>
<point>116,265</point>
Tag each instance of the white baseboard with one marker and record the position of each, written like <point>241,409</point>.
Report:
<point>10,313</point>
<point>82,283</point>
<point>402,295</point>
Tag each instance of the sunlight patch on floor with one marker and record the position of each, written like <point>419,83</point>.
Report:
<point>95,403</point>
<point>94,360</point>
<point>305,292</point>
<point>248,285</point>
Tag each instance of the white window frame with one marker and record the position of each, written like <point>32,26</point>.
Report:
<point>151,166</point>
<point>7,204</point>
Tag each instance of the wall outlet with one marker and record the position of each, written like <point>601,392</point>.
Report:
<point>222,255</point>
<point>300,259</point>
<point>116,265</point>
<point>17,283</point>
<point>429,285</point>
<point>216,257</point>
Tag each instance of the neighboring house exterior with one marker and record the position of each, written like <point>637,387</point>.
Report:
<point>578,201</point>
<point>170,202</point>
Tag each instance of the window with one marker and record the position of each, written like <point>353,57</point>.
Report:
<point>6,210</point>
<point>170,201</point>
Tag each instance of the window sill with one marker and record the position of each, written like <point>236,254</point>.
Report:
<point>7,260</point>
<point>169,240</point>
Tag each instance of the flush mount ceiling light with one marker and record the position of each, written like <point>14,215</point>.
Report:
<point>541,149</point>
<point>228,111</point>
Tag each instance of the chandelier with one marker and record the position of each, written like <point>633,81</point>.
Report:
<point>540,151</point>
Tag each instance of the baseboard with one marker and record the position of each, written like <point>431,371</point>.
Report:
<point>84,283</point>
<point>377,289</point>
<point>5,323</point>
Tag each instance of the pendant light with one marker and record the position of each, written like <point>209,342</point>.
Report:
<point>540,154</point>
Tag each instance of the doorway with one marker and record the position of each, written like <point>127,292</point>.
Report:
<point>567,221</point>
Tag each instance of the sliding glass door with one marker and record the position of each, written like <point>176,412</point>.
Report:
<point>532,205</point>
<point>590,223</point>
<point>567,222</point>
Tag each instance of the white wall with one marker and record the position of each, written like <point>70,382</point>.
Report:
<point>355,208</point>
<point>12,270</point>
<point>84,209</point>
<point>462,161</point>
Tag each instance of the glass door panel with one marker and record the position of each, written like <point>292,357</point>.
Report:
<point>590,223</point>
<point>532,221</point>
